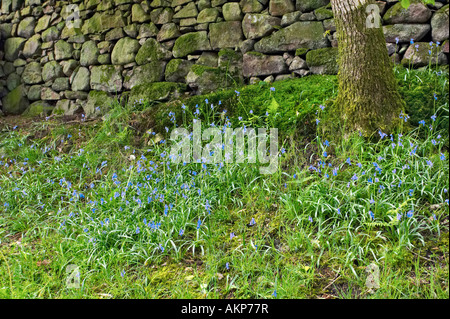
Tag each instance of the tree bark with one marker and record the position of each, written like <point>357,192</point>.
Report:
<point>368,98</point>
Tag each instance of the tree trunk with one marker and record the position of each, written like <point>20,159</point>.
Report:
<point>368,98</point>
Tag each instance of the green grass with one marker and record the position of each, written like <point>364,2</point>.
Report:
<point>78,193</point>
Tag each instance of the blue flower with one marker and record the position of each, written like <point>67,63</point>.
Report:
<point>371,214</point>
<point>181,232</point>
<point>326,143</point>
<point>199,223</point>
<point>442,156</point>
<point>433,117</point>
<point>232,235</point>
<point>274,294</point>
<point>272,89</point>
<point>396,40</point>
<point>310,219</point>
<point>227,266</point>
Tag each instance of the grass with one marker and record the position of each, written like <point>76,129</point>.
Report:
<point>101,195</point>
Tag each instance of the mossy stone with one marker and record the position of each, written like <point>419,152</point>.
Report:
<point>150,51</point>
<point>323,61</point>
<point>125,51</point>
<point>191,42</point>
<point>15,102</point>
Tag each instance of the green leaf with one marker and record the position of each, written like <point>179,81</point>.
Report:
<point>273,106</point>
<point>405,3</point>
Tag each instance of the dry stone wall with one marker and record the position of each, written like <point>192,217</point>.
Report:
<point>74,56</point>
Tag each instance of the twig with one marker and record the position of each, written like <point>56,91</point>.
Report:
<point>332,282</point>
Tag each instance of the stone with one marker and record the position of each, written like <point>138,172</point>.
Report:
<point>51,71</point>
<point>225,34</point>
<point>203,79</point>
<point>189,22</point>
<point>310,5</point>
<point>19,62</point>
<point>168,31</point>
<point>190,43</point>
<point>131,30</point>
<point>104,58</point>
<point>66,107</point>
<point>440,24</point>
<point>208,59</point>
<point>102,21</point>
<point>282,77</point>
<point>148,30</point>
<point>98,102</point>
<point>13,81</point>
<point>60,84</point>
<point>138,14</point>
<point>405,32</point>
<point>232,12</point>
<point>297,63</point>
<point>177,69</point>
<point>176,3</point>
<point>418,55</point>
<point>329,25</point>
<point>202,4</point>
<point>51,34</point>
<point>323,61</point>
<point>125,51</point>
<point>12,48</point>
<point>63,50</point>
<point>251,6</point>
<point>69,66</point>
<point>15,102</point>
<point>290,18</point>
<point>147,73</point>
<point>34,92</point>
<point>246,46</point>
<point>106,78</point>
<point>278,8</point>
<point>114,34</point>
<point>26,27</point>
<point>323,13</point>
<point>32,73</point>
<point>32,47</point>
<point>256,25</point>
<point>297,35</point>
<point>258,64</point>
<point>81,80</point>
<point>415,13</point>
<point>39,108</point>
<point>189,11</point>
<point>151,51</point>
<point>47,94</point>
<point>161,15</point>
<point>76,95</point>
<point>208,15</point>
<point>89,54</point>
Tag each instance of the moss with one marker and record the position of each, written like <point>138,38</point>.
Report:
<point>191,42</point>
<point>324,56</point>
<point>301,51</point>
<point>200,69</point>
<point>254,53</point>
<point>173,65</point>
<point>228,52</point>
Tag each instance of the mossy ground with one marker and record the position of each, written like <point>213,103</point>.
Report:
<point>299,246</point>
